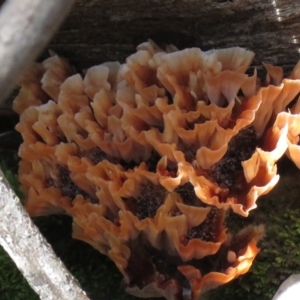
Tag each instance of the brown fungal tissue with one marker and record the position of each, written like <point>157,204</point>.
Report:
<point>149,156</point>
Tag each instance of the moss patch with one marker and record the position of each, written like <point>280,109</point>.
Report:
<point>12,283</point>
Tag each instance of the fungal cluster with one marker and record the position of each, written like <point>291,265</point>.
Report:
<point>148,157</point>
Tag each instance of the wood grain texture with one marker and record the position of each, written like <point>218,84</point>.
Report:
<point>25,29</point>
<point>105,30</point>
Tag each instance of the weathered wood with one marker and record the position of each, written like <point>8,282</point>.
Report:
<point>104,30</point>
<point>34,257</point>
<point>25,29</point>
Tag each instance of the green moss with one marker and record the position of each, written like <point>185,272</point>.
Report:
<point>12,283</point>
<point>9,165</point>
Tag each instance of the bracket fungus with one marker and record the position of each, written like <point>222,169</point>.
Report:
<point>148,157</point>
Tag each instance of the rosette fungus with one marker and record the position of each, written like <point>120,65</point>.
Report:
<point>149,156</point>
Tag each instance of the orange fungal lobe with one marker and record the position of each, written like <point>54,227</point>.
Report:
<point>149,156</point>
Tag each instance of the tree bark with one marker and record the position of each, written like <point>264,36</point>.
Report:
<point>108,30</point>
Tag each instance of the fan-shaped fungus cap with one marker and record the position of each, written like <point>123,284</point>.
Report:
<point>147,157</point>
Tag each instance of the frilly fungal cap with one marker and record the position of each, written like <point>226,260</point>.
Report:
<point>148,157</point>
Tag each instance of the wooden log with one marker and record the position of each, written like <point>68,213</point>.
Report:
<point>106,30</point>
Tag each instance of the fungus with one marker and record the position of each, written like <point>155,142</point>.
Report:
<point>149,156</point>
<point>208,230</point>
<point>146,204</point>
<point>240,148</point>
<point>188,195</point>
